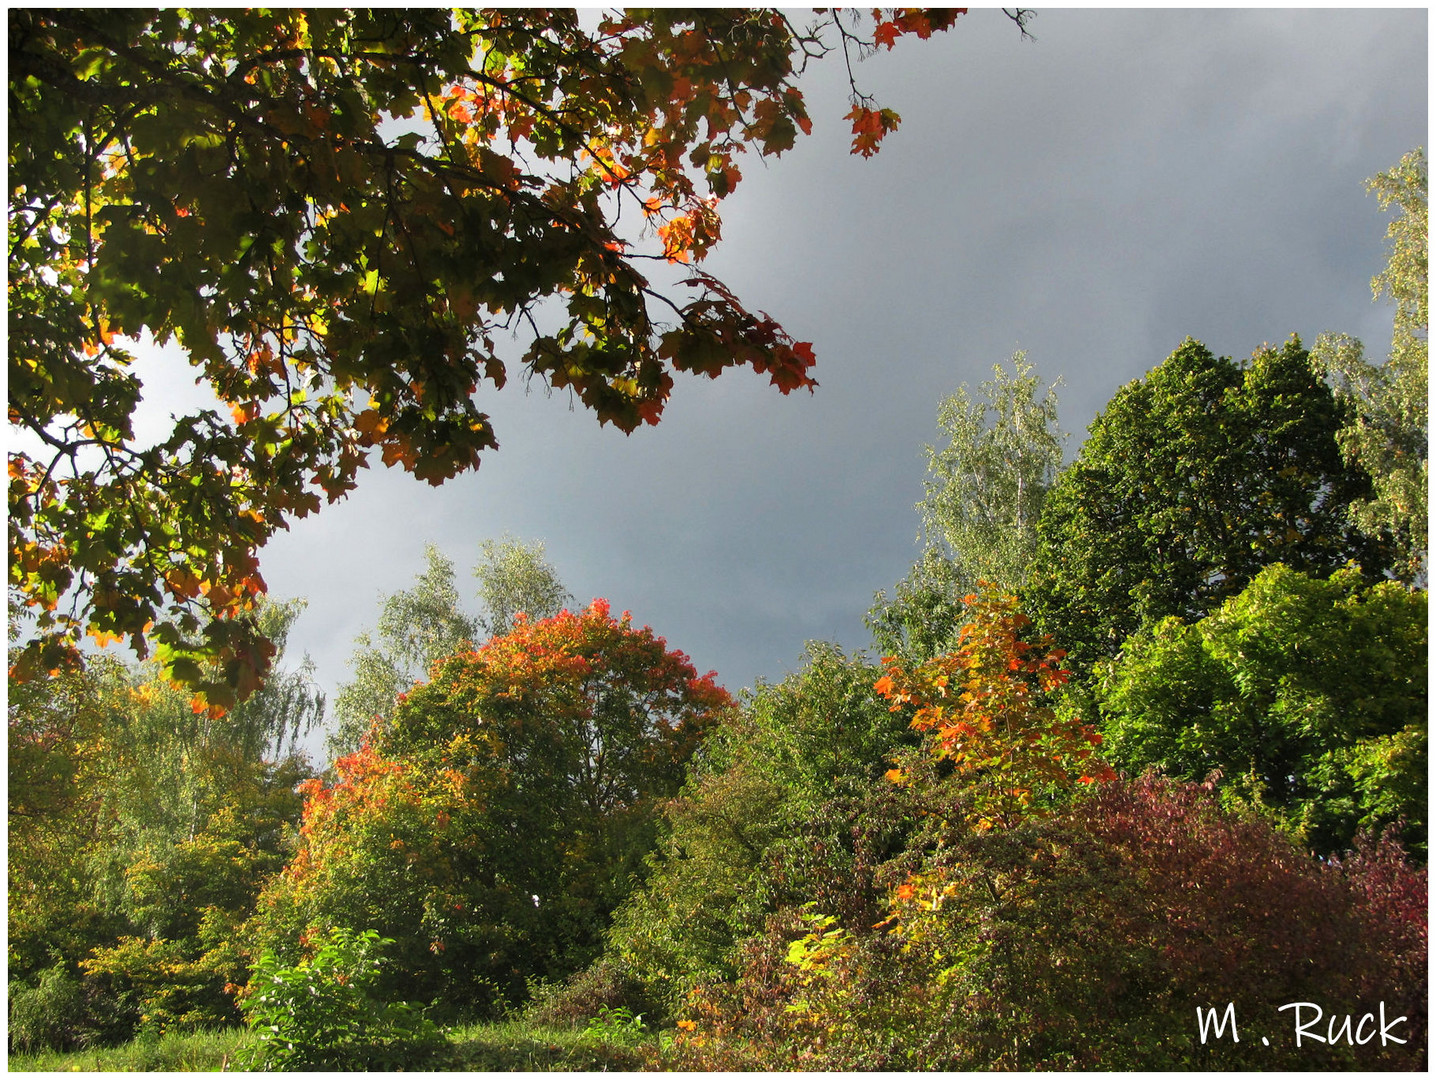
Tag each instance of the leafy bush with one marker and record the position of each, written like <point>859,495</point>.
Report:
<point>620,1026</point>
<point>49,1014</point>
<point>1087,939</point>
<point>321,1013</point>
<point>605,985</point>
<point>1309,695</point>
<point>776,811</point>
<point>1027,920</point>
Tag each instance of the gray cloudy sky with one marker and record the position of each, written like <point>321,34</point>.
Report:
<point>1093,197</point>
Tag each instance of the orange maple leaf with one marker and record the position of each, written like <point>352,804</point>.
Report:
<point>886,34</point>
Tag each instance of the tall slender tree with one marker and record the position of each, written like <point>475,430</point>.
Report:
<point>985,490</point>
<point>514,577</point>
<point>1388,433</point>
<point>416,628</point>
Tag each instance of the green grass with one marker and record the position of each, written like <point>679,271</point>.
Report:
<point>201,1051</point>
<point>517,1045</point>
<point>509,1046</point>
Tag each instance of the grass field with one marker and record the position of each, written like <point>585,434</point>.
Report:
<point>509,1046</point>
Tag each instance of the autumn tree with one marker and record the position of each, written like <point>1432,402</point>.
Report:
<point>1387,434</point>
<point>492,826</point>
<point>1191,480</point>
<point>796,807</point>
<point>987,711</point>
<point>341,217</point>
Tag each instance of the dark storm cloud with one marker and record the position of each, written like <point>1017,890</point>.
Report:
<point>1127,179</point>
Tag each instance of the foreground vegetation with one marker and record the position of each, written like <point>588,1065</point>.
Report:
<point>195,1051</point>
<point>504,1046</point>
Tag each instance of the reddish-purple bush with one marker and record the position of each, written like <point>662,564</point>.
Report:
<point>1090,939</point>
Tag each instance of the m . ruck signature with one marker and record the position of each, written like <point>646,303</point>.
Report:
<point>1339,1026</point>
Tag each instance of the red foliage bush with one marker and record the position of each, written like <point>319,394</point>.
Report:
<point>1090,939</point>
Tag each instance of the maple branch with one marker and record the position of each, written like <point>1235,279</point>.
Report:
<point>804,39</point>
<point>1022,16</point>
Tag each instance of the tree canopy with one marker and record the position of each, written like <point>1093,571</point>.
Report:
<point>342,217</point>
<point>1191,480</point>
<point>515,578</point>
<point>495,822</point>
<point>1308,695</point>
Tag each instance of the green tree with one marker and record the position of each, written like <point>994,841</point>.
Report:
<point>200,809</point>
<point>778,809</point>
<point>1387,435</point>
<point>1308,695</point>
<point>173,766</point>
<point>417,627</point>
<point>514,577</point>
<point>57,748</point>
<point>141,831</point>
<point>984,494</point>
<point>420,626</point>
<point>986,487</point>
<point>1191,480</point>
<point>336,214</point>
<point>922,617</point>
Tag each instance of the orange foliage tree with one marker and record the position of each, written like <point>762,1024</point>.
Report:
<point>986,709</point>
<point>495,821</point>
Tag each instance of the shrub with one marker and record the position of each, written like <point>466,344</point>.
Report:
<point>1087,939</point>
<point>174,985</point>
<point>48,1015</point>
<point>775,810</point>
<point>606,985</point>
<point>620,1026</point>
<point>322,1014</point>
